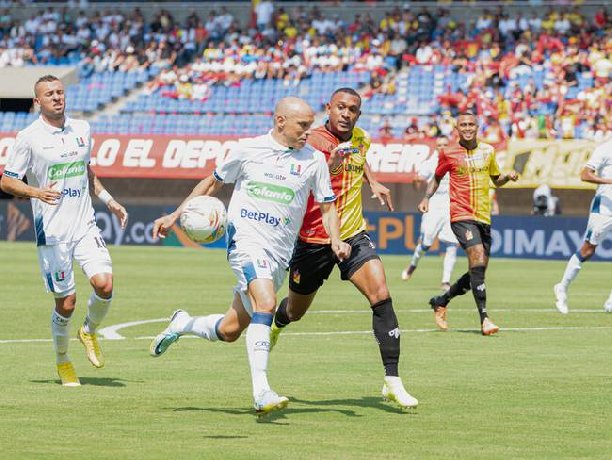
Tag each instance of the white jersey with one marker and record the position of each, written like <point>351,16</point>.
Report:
<point>47,154</point>
<point>440,201</point>
<point>272,185</point>
<point>601,162</point>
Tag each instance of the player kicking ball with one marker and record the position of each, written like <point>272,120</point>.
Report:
<point>345,147</point>
<point>273,175</point>
<point>598,170</point>
<point>54,152</point>
<point>436,223</point>
<point>471,165</point>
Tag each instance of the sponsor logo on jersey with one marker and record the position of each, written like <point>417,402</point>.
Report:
<point>264,217</point>
<point>270,192</point>
<point>80,142</point>
<point>66,170</point>
<point>71,192</point>
<point>275,176</point>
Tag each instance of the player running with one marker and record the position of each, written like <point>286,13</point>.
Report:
<point>471,166</point>
<point>345,147</point>
<point>598,170</point>
<point>436,222</point>
<point>54,153</point>
<point>273,175</point>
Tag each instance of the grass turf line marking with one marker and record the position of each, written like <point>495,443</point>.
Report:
<point>515,329</point>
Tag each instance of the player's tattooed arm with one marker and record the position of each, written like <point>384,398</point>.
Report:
<point>502,180</point>
<point>432,186</point>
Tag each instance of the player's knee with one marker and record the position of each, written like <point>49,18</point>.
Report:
<point>65,305</point>
<point>103,285</point>
<point>379,294</point>
<point>586,251</point>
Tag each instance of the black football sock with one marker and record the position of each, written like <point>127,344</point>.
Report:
<point>459,287</point>
<point>280,317</point>
<point>387,335</point>
<point>477,280</point>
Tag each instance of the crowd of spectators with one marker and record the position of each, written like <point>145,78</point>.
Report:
<point>499,52</point>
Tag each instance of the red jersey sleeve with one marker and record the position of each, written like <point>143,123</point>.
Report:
<point>443,164</point>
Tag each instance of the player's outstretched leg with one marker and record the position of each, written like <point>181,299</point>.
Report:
<point>608,304</point>
<point>180,324</point>
<point>387,334</point>
<point>439,303</point>
<point>479,291</point>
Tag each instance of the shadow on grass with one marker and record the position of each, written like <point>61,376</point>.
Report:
<point>95,381</point>
<point>321,406</point>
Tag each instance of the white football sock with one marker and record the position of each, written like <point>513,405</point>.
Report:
<point>60,331</point>
<point>202,326</point>
<point>418,253</point>
<point>258,350</point>
<point>97,308</point>
<point>571,271</point>
<point>450,257</point>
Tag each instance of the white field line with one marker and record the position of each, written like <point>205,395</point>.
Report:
<point>330,333</point>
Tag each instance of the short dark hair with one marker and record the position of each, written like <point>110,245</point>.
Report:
<point>346,90</point>
<point>467,114</point>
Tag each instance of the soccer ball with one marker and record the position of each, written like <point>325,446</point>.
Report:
<point>204,219</point>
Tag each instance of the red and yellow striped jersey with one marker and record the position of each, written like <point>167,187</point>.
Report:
<point>346,181</point>
<point>470,180</point>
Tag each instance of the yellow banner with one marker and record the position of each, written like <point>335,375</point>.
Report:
<point>556,163</point>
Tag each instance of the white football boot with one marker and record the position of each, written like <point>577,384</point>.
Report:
<point>393,390</point>
<point>171,334</point>
<point>268,401</point>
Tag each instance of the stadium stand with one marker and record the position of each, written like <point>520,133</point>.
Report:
<point>544,75</point>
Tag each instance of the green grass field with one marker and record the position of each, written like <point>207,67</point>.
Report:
<point>541,388</point>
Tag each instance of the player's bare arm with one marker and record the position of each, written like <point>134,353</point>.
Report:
<point>589,175</point>
<point>433,185</point>
<point>96,188</point>
<point>206,187</point>
<point>331,223</point>
<point>379,191</point>
<point>16,187</point>
<point>502,180</point>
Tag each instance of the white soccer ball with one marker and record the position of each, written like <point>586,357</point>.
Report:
<point>204,219</point>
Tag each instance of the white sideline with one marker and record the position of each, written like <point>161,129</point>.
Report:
<point>113,335</point>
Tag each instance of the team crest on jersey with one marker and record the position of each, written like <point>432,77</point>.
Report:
<point>296,169</point>
<point>262,263</point>
<point>295,276</point>
<point>469,235</point>
<point>60,276</point>
<point>80,142</point>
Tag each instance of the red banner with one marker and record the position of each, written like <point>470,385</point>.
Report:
<point>195,157</point>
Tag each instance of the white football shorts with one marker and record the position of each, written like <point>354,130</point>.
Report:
<point>598,227</point>
<point>56,262</point>
<point>252,264</point>
<point>436,224</point>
